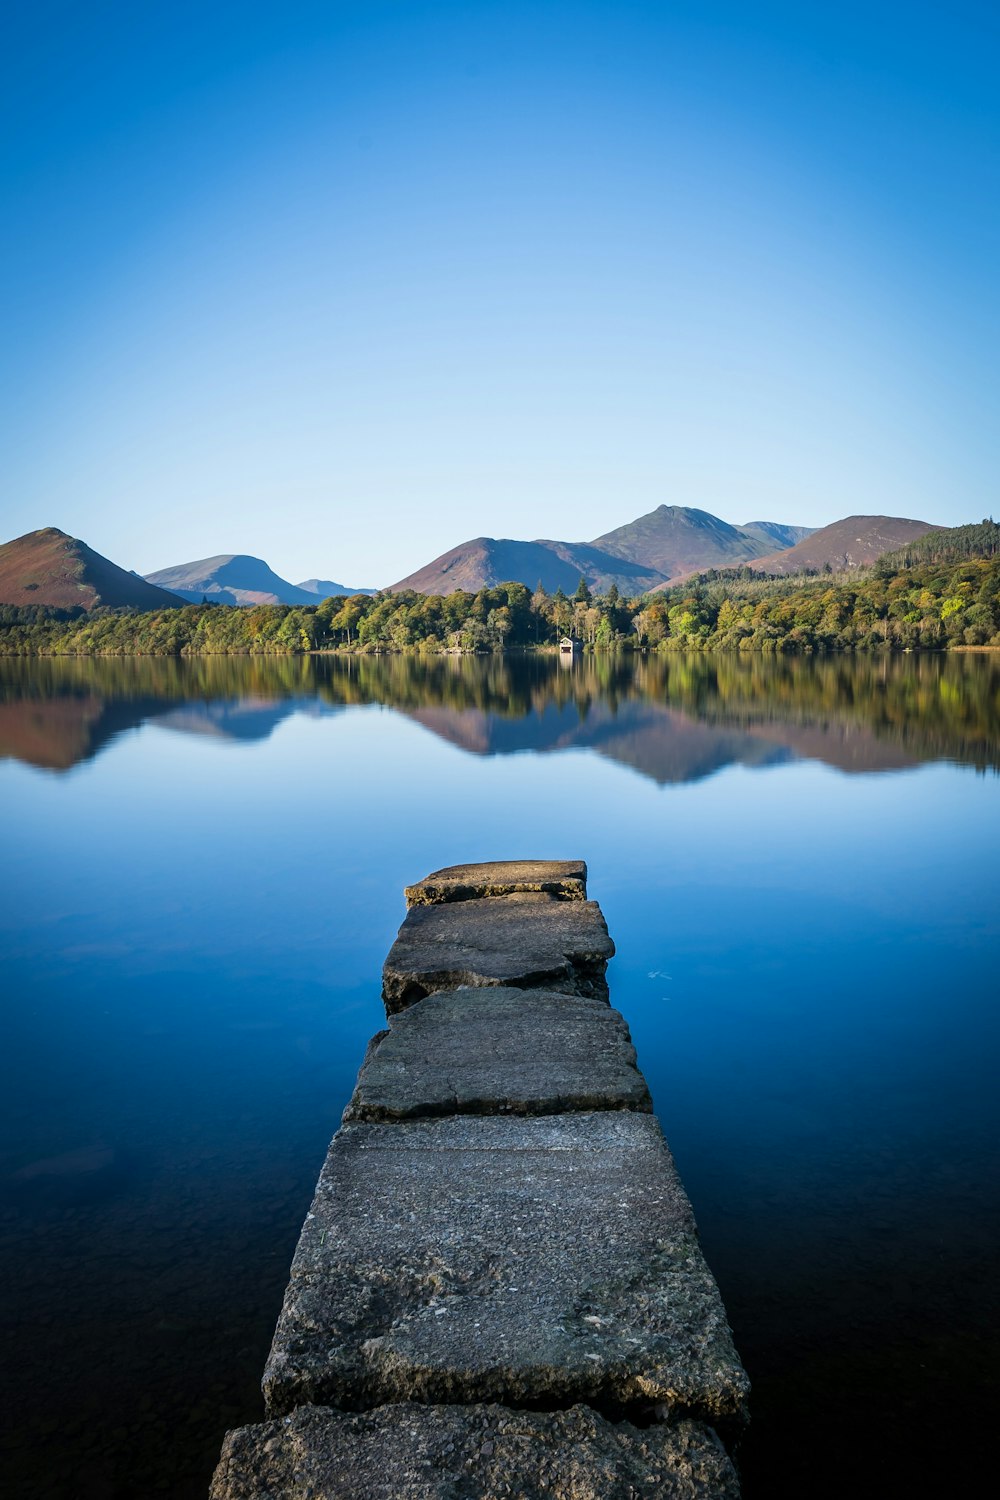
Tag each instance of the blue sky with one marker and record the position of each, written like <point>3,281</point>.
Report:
<point>342,285</point>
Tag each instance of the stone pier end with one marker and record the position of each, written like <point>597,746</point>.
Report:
<point>565,878</point>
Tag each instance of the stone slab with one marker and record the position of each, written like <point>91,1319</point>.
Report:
<point>522,939</point>
<point>410,1452</point>
<point>529,1261</point>
<point>497,1051</point>
<point>565,878</point>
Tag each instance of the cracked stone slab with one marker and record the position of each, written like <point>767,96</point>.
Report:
<point>530,1261</point>
<point>496,1051</point>
<point>410,1452</point>
<point>521,940</point>
<point>565,878</point>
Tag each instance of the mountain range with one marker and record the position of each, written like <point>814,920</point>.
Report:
<point>669,544</point>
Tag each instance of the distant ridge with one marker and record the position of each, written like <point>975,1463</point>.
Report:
<point>849,543</point>
<point>327,589</point>
<point>50,568</point>
<point>230,578</point>
<point>775,531</point>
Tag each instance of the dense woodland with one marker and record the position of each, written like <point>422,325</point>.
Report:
<point>942,590</point>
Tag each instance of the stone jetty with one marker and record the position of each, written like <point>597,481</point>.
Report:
<point>498,1289</point>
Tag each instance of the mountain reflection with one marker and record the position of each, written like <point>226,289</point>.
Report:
<point>673,719</point>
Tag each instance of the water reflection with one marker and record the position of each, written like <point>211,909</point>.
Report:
<point>192,933</point>
<point>673,719</point>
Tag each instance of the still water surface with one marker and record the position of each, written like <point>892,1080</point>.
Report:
<point>203,870</point>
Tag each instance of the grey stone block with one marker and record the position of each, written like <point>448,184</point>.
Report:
<point>496,1051</point>
<point>539,1262</point>
<point>520,940</point>
<point>410,1452</point>
<point>565,878</point>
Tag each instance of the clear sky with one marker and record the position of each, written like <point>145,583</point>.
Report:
<point>343,285</point>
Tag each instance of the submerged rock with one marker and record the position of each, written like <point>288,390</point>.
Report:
<point>85,1161</point>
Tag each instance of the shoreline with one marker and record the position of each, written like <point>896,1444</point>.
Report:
<point>416,652</point>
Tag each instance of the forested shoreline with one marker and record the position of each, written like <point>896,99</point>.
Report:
<point>941,591</point>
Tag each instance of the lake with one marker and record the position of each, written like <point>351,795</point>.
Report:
<point>204,865</point>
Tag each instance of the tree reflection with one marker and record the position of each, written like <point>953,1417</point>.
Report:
<point>672,718</point>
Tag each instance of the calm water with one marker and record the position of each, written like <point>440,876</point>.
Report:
<point>203,870</point>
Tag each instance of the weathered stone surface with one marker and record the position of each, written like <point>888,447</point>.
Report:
<point>533,1261</point>
<point>565,878</point>
<point>521,939</point>
<point>497,1051</point>
<point>410,1452</point>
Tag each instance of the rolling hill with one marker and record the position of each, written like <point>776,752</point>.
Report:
<point>231,578</point>
<point>48,567</point>
<point>849,543</point>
